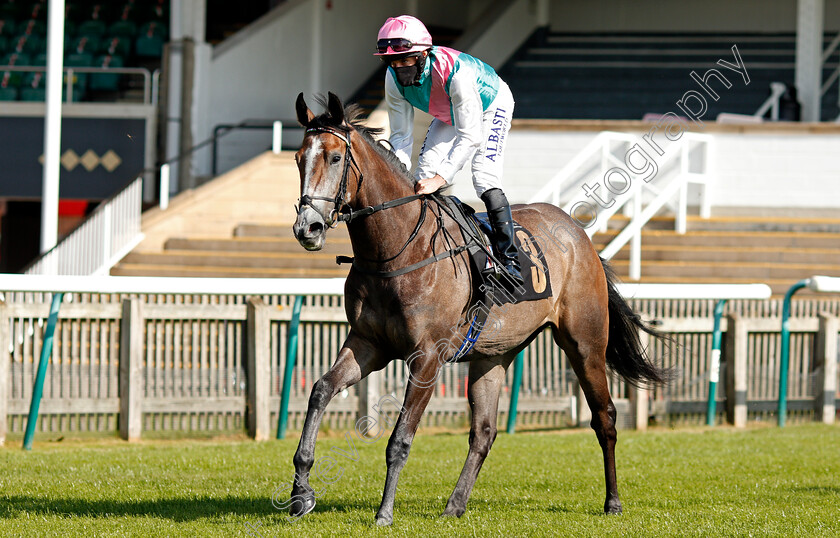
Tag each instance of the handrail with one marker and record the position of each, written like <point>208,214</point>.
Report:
<point>553,185</point>
<point>164,168</point>
<point>829,50</point>
<point>275,125</point>
<point>105,236</point>
<point>819,284</point>
<point>69,71</point>
<point>632,231</point>
<point>777,89</point>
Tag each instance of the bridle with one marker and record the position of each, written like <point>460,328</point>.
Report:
<point>341,210</point>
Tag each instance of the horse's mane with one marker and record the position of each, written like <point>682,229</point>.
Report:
<point>352,116</point>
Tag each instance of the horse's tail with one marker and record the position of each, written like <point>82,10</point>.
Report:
<point>625,353</point>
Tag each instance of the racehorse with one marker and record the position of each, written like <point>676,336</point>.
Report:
<point>405,293</point>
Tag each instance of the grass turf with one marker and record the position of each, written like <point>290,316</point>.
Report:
<point>722,482</point>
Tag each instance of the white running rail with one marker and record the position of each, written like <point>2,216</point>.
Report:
<point>108,234</point>
<point>686,161</point>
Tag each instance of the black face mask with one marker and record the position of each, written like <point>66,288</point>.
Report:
<point>410,75</point>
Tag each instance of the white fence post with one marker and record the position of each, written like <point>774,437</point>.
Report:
<point>736,370</point>
<point>131,370</point>
<point>368,391</point>
<point>259,370</point>
<point>639,395</point>
<point>826,361</point>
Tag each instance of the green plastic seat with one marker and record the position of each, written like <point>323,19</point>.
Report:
<point>154,28</point>
<point>16,58</point>
<point>33,94</point>
<point>31,26</point>
<point>106,81</point>
<point>7,27</point>
<point>116,46</point>
<point>27,43</point>
<point>89,43</point>
<point>8,93</point>
<point>40,59</point>
<point>148,46</point>
<point>92,27</point>
<point>34,79</point>
<point>123,28</point>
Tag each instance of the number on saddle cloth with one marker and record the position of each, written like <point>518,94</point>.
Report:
<point>531,257</point>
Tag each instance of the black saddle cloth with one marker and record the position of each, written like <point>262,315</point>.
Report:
<point>475,229</point>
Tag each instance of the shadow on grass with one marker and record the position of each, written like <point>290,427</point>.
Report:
<point>176,509</point>
<point>181,509</point>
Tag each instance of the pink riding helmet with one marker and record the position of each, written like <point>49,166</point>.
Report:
<point>404,27</point>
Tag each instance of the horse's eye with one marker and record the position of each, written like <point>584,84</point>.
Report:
<point>335,159</point>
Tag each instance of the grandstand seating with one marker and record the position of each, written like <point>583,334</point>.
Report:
<point>625,76</point>
<point>126,33</point>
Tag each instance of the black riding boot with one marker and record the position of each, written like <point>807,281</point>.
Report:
<point>498,210</point>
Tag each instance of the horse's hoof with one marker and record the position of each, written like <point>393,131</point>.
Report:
<point>453,512</point>
<point>383,521</point>
<point>612,507</point>
<point>302,506</point>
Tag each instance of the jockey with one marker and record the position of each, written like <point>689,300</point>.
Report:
<point>472,109</point>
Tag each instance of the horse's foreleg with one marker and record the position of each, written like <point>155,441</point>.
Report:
<point>486,380</point>
<point>355,361</point>
<point>419,391</point>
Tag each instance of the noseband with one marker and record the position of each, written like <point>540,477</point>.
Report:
<point>337,214</point>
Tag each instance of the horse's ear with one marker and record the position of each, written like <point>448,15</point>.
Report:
<point>304,115</point>
<point>335,108</point>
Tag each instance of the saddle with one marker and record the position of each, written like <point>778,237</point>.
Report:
<point>476,230</point>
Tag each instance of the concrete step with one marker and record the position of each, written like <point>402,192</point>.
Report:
<point>282,230</point>
<point>695,223</point>
<point>736,254</point>
<point>729,239</point>
<point>256,244</point>
<point>759,272</point>
<point>765,224</point>
<point>245,260</point>
<point>130,269</point>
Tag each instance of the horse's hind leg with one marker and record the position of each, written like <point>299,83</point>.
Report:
<point>586,350</point>
<point>355,361</point>
<point>486,380</point>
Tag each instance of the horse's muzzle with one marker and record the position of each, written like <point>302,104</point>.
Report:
<point>310,229</point>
